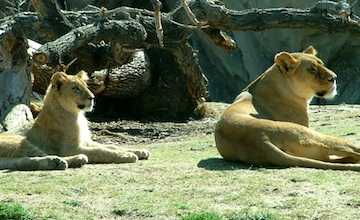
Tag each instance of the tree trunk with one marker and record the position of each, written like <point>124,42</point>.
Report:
<point>15,78</point>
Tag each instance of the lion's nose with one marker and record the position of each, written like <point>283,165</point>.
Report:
<point>332,79</point>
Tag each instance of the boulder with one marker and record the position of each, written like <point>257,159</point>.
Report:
<point>18,116</point>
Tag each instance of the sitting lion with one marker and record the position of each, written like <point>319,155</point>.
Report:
<point>60,136</point>
<point>268,123</point>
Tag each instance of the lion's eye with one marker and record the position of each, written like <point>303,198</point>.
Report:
<point>314,71</point>
<point>76,89</point>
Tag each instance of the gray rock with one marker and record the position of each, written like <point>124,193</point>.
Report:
<point>18,116</point>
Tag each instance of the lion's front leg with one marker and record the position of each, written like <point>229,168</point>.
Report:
<point>98,153</point>
<point>16,153</point>
<point>34,163</point>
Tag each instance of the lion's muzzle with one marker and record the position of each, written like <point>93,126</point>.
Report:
<point>328,94</point>
<point>87,107</point>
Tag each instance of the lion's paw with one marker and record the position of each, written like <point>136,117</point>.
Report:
<point>55,163</point>
<point>142,153</point>
<point>127,157</point>
<point>82,159</point>
<point>77,160</point>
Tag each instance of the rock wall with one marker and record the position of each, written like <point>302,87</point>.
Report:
<point>229,73</point>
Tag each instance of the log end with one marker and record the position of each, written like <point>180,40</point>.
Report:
<point>40,58</point>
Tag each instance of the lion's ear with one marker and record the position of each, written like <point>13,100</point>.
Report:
<point>286,62</point>
<point>83,75</point>
<point>310,50</point>
<point>58,79</point>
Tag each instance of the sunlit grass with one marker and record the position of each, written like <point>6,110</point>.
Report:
<point>187,179</point>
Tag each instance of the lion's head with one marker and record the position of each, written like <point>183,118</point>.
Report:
<point>306,74</point>
<point>72,92</point>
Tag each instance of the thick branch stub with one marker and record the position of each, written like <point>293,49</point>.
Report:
<point>40,58</point>
<point>221,39</point>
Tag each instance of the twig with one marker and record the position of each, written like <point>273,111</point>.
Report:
<point>187,26</point>
<point>190,14</point>
<point>15,5</point>
<point>66,67</point>
<point>145,12</point>
<point>157,5</point>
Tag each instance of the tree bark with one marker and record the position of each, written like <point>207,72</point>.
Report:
<point>124,82</point>
<point>196,80</point>
<point>218,16</point>
<point>127,32</point>
<point>15,78</point>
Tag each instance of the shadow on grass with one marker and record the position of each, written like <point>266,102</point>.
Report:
<point>221,164</point>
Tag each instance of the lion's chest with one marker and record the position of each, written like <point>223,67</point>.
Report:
<point>60,134</point>
<point>84,134</point>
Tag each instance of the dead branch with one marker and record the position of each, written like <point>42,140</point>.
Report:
<point>190,14</point>
<point>157,5</point>
<point>52,52</point>
<point>219,17</point>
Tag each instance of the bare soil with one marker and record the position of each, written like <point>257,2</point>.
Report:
<point>147,132</point>
<point>323,118</point>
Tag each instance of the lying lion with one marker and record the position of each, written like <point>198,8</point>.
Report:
<point>268,123</point>
<point>60,136</point>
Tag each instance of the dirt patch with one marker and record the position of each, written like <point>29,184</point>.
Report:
<point>322,118</point>
<point>136,132</point>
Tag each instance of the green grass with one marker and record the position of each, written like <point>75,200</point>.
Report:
<point>203,216</point>
<point>14,211</point>
<point>183,180</point>
<point>245,214</point>
<point>248,214</point>
<point>73,203</point>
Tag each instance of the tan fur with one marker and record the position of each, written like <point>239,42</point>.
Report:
<point>60,136</point>
<point>268,123</point>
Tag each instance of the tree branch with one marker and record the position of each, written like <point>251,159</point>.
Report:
<point>218,16</point>
<point>52,52</point>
